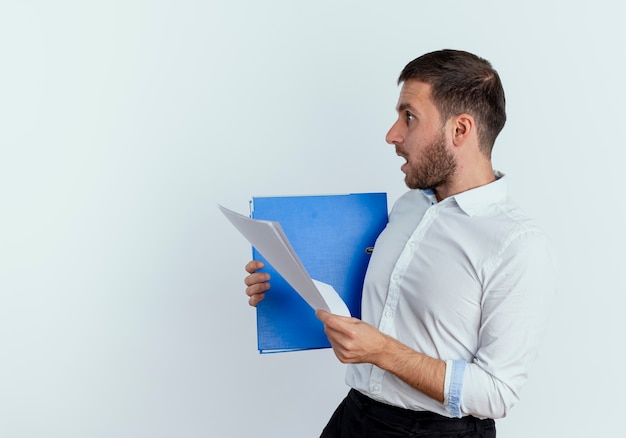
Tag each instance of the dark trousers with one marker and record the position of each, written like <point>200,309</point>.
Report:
<point>359,416</point>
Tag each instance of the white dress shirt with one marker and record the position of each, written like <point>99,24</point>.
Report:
<point>468,280</point>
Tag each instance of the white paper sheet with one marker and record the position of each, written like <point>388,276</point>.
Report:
<point>270,240</point>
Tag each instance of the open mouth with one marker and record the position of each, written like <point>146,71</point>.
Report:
<point>402,155</point>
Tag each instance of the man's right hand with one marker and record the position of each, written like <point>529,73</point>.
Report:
<point>257,282</point>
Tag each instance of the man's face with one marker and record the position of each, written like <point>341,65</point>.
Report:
<point>420,139</point>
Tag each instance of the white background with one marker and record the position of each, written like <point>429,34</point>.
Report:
<point>123,123</point>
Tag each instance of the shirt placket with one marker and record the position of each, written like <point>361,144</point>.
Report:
<point>387,320</point>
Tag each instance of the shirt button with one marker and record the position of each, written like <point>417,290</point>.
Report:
<point>375,388</point>
<point>395,277</point>
<point>388,313</point>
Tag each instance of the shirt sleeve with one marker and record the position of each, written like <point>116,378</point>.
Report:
<point>455,373</point>
<point>519,287</point>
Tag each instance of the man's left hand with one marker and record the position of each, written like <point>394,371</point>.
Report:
<point>353,340</point>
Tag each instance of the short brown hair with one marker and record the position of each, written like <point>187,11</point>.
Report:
<point>462,82</point>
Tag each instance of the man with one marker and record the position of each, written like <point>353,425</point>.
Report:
<point>457,292</point>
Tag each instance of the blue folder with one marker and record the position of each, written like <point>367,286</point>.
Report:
<point>333,236</point>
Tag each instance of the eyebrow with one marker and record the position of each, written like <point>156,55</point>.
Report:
<point>406,106</point>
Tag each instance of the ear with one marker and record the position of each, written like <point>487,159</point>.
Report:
<point>463,128</point>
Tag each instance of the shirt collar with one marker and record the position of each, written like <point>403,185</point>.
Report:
<point>475,200</point>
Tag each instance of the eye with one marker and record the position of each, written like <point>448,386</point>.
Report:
<point>409,117</point>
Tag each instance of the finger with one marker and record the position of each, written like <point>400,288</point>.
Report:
<point>333,324</point>
<point>258,277</point>
<point>257,293</point>
<point>256,299</point>
<point>336,321</point>
<point>253,266</point>
<point>257,288</point>
<point>322,315</point>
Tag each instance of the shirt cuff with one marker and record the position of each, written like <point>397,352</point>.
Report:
<point>455,373</point>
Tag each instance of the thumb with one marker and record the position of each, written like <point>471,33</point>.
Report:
<point>322,315</point>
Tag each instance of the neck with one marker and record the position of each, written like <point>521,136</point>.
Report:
<point>466,178</point>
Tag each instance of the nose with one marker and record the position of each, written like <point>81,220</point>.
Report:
<point>393,135</point>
